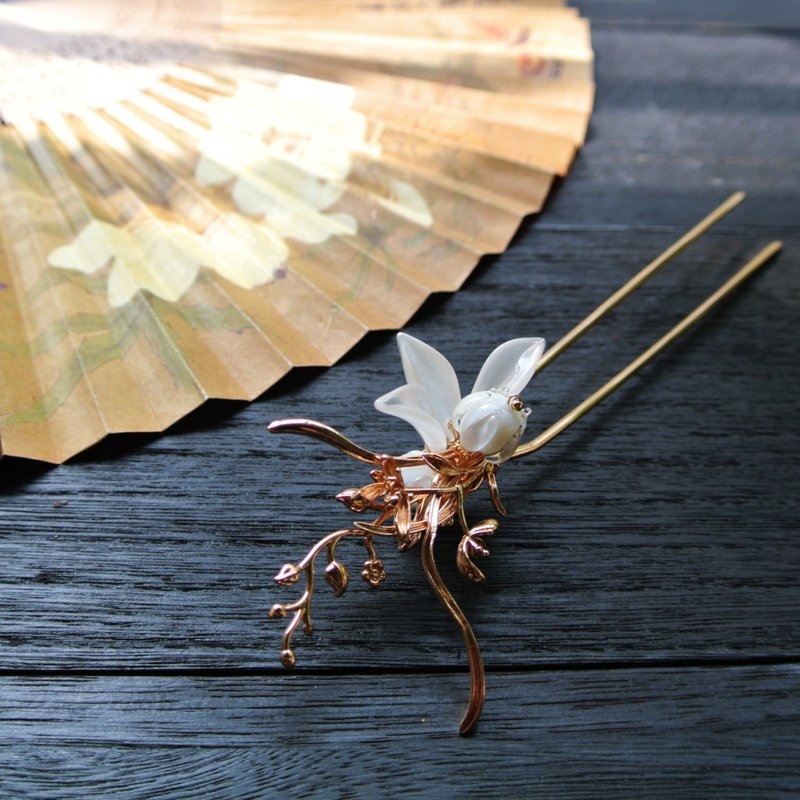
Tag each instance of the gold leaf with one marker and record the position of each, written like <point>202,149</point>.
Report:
<point>372,491</point>
<point>476,547</point>
<point>378,530</point>
<point>361,499</point>
<point>354,499</point>
<point>408,541</point>
<point>485,527</point>
<point>466,566</point>
<point>440,464</point>
<point>389,468</point>
<point>402,517</point>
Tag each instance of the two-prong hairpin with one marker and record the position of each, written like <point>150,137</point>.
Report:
<point>412,496</point>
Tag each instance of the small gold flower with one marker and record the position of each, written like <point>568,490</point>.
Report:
<point>373,573</point>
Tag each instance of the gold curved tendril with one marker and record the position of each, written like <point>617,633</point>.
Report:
<point>477,692</point>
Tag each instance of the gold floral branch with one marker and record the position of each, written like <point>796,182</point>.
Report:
<point>409,515</point>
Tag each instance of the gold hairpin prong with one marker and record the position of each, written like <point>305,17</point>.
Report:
<point>639,278</point>
<point>648,355</point>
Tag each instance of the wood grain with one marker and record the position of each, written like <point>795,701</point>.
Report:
<point>640,619</point>
<point>645,517</point>
<point>628,734</point>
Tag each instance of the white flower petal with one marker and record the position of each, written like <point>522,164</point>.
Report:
<point>290,217</point>
<point>225,153</point>
<point>407,202</point>
<point>429,369</point>
<point>321,94</point>
<point>156,255</point>
<point>510,366</point>
<point>121,287</point>
<point>210,172</point>
<point>416,477</point>
<point>409,403</point>
<point>296,182</point>
<point>91,250</point>
<point>245,253</point>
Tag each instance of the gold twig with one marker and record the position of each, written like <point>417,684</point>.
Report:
<point>290,574</point>
<point>318,430</point>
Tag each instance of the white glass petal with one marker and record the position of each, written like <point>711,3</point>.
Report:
<point>510,366</point>
<point>429,369</point>
<point>409,403</point>
<point>416,477</point>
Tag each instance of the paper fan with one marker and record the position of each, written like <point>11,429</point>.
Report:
<point>181,221</point>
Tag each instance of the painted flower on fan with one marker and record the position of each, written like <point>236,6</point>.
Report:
<point>489,420</point>
<point>164,258</point>
<point>283,166</point>
<point>280,165</point>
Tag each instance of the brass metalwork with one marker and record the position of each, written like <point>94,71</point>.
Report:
<point>648,355</point>
<point>413,515</point>
<point>639,278</point>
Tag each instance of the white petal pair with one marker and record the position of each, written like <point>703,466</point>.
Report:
<point>487,419</point>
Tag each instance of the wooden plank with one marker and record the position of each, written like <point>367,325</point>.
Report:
<point>660,531</point>
<point>662,526</point>
<point>678,733</point>
<point>685,13</point>
<point>682,119</point>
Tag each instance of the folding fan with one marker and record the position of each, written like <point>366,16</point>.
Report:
<point>194,200</point>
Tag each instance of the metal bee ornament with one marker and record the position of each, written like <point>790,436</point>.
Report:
<point>412,496</point>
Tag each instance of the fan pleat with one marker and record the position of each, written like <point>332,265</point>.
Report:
<point>314,175</point>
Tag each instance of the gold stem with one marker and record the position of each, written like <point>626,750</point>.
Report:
<point>477,675</point>
<point>318,430</point>
<point>637,280</point>
<point>308,627</point>
<point>326,541</point>
<point>690,319</point>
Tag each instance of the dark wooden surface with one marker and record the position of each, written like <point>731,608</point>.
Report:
<point>641,621</point>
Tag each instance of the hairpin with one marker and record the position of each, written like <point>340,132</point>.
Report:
<point>465,440</point>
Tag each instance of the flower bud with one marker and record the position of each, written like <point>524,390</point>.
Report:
<point>337,576</point>
<point>490,423</point>
<point>289,575</point>
<point>288,659</point>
